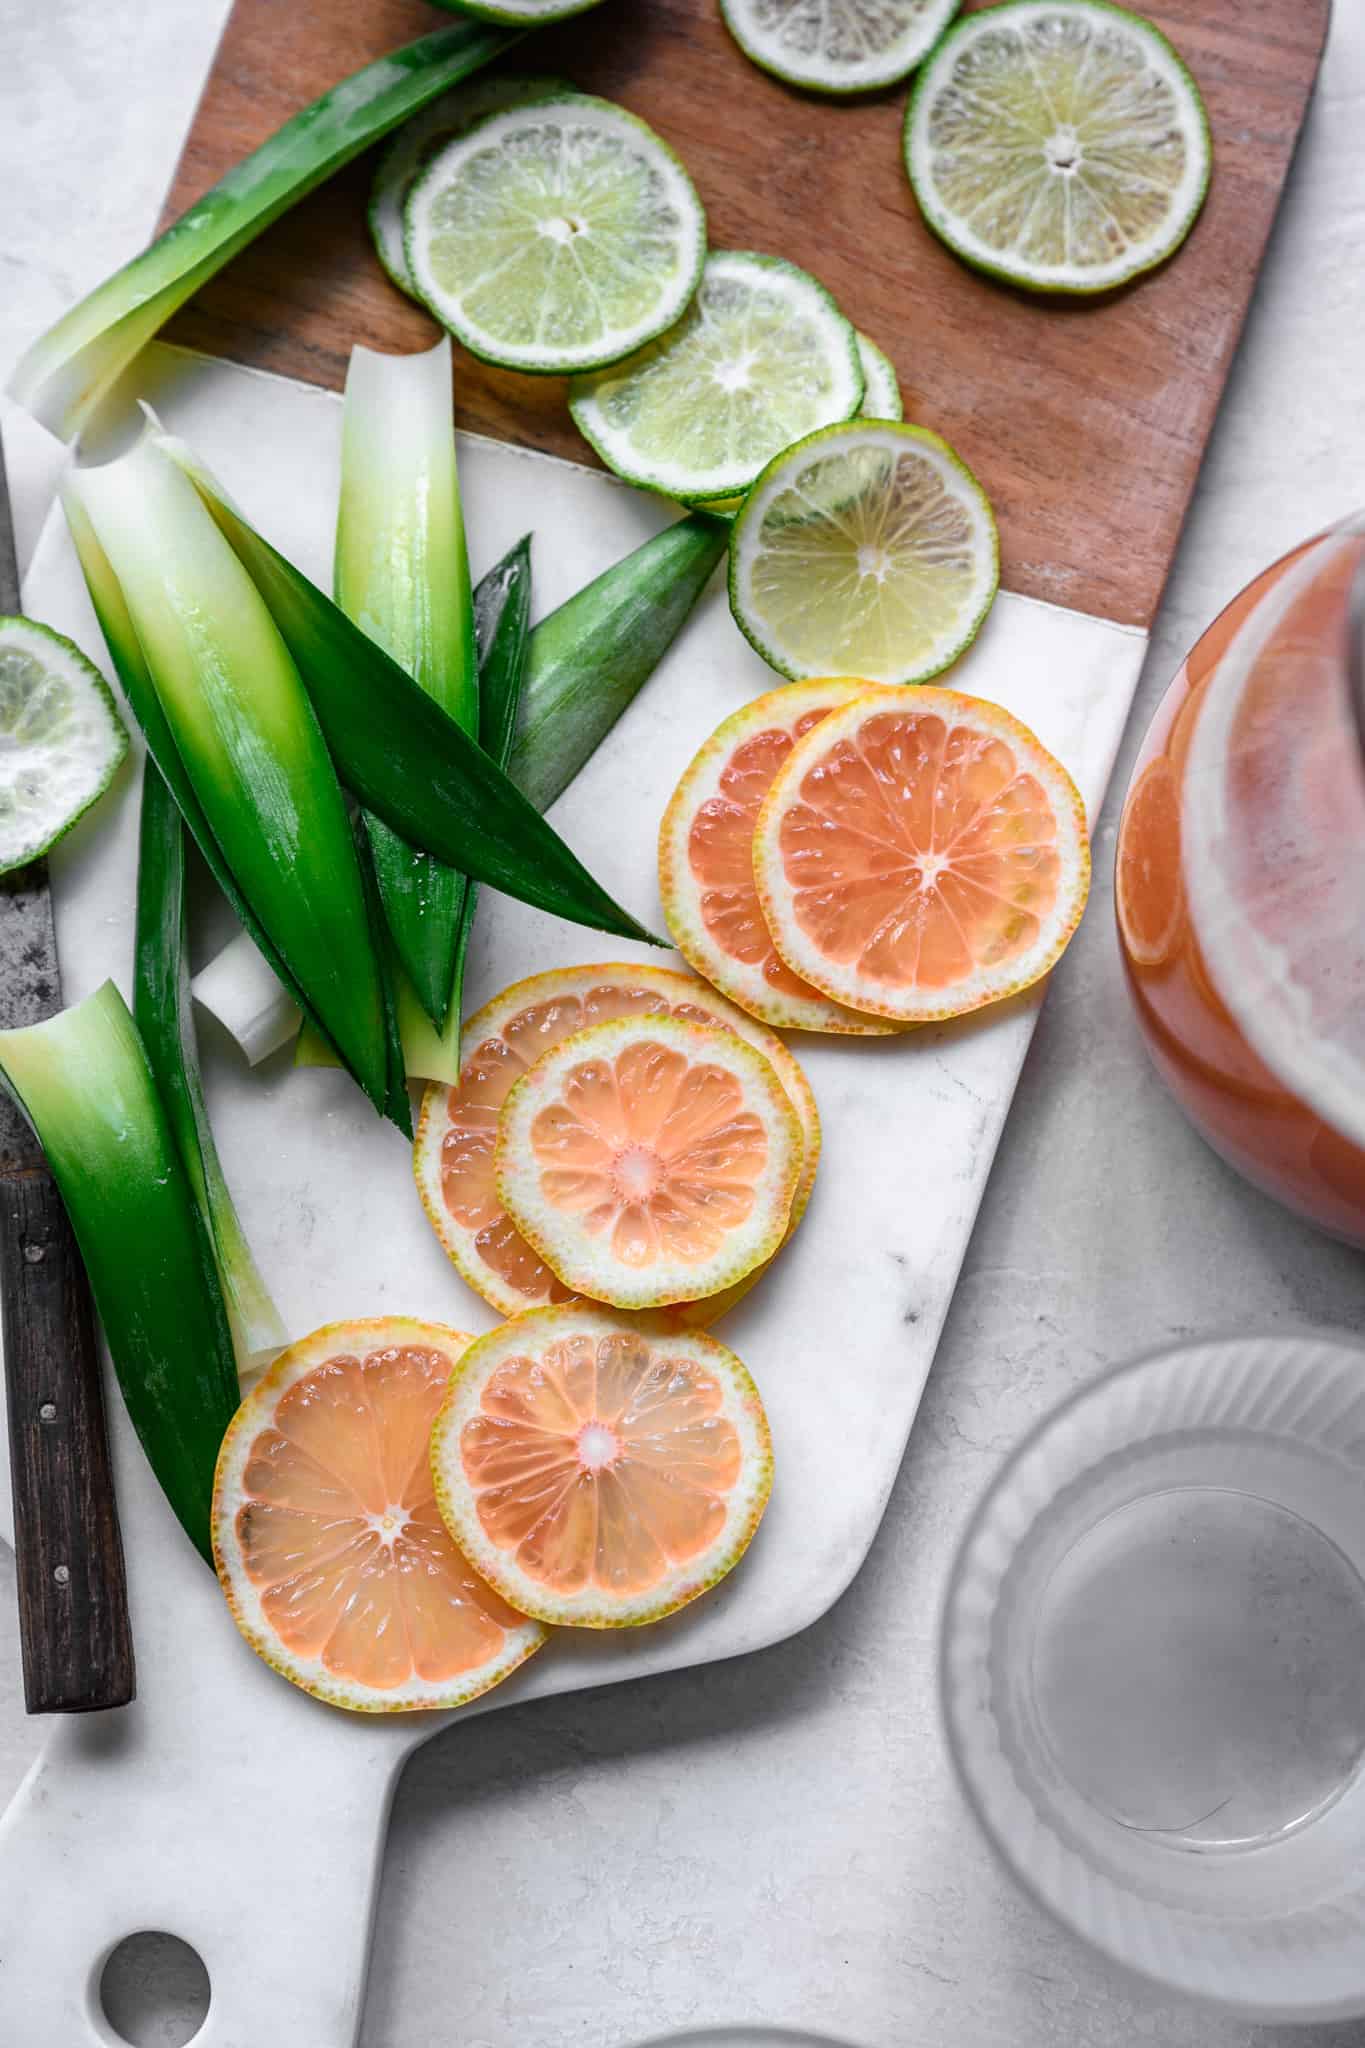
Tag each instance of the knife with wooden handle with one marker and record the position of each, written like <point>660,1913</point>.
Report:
<point>73,1601</point>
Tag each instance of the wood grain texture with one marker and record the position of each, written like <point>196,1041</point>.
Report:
<point>1086,423</point>
<point>73,1608</point>
<point>73,1602</point>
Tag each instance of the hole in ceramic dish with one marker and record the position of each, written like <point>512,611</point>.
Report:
<point>154,1991</point>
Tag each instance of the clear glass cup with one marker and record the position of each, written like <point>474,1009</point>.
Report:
<point>1153,1671</point>
<point>1240,882</point>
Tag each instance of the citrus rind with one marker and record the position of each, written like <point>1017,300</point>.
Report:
<point>521,1637</point>
<point>756,980</point>
<point>530,1336</point>
<point>586,1220</point>
<point>791,803</point>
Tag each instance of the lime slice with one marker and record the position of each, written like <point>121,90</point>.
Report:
<point>762,357</point>
<point>518,13</point>
<point>417,142</point>
<point>557,236</point>
<point>1060,144</point>
<point>881,401</point>
<point>61,738</point>
<point>839,45</point>
<point>881,392</point>
<point>866,550</point>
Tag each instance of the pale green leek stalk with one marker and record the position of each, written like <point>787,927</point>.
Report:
<point>165,1021</point>
<point>67,371</point>
<point>402,574</point>
<point>502,608</point>
<point>83,1080</point>
<point>244,736</point>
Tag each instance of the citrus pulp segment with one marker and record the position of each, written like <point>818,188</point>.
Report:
<point>418,140</point>
<point>921,853</point>
<point>335,1561</point>
<point>458,1127</point>
<point>557,236</point>
<point>1060,144</point>
<point>706,860</point>
<point>841,45</point>
<point>881,392</point>
<point>650,1160</point>
<point>1149,895</point>
<point>867,550</point>
<point>61,738</point>
<point>762,356</point>
<point>597,1472</point>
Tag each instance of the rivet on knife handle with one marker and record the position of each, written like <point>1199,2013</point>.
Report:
<point>73,1600</point>
<point>73,1606</point>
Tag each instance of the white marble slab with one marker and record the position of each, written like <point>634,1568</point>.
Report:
<point>218,1755</point>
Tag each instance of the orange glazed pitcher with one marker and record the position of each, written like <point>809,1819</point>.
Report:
<point>1240,883</point>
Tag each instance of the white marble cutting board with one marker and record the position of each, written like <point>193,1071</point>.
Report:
<point>224,1806</point>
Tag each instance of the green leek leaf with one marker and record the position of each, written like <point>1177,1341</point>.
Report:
<point>66,372</point>
<point>502,618</point>
<point>83,1080</point>
<point>165,1021</point>
<point>406,759</point>
<point>589,660</point>
<point>502,604</point>
<point>247,738</point>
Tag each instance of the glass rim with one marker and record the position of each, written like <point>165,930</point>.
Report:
<point>971,1762</point>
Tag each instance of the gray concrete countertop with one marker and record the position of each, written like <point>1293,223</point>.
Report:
<point>780,1838</point>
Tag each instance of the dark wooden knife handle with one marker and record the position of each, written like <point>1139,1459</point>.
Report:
<point>73,1599</point>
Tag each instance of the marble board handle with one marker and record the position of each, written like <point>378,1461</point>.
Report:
<point>266,1866</point>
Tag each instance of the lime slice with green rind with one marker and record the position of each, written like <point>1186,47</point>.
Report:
<point>418,140</point>
<point>1059,144</point>
<point>61,738</point>
<point>837,46</point>
<point>881,392</point>
<point>762,357</point>
<point>556,237</point>
<point>868,549</point>
<point>518,13</point>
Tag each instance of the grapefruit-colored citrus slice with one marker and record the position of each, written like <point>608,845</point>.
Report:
<point>650,1160</point>
<point>921,853</point>
<point>706,870</point>
<point>599,1473</point>
<point>453,1156</point>
<point>335,1560</point>
<point>1148,892</point>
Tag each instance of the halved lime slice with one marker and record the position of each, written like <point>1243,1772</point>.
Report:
<point>555,237</point>
<point>61,739</point>
<point>881,392</point>
<point>839,45</point>
<point>762,357</point>
<point>866,550</point>
<point>1060,144</point>
<point>417,142</point>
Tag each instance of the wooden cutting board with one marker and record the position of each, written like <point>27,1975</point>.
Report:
<point>1085,422</point>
